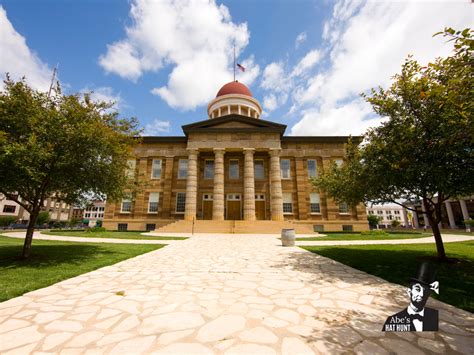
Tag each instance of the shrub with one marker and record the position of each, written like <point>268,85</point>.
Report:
<point>96,229</point>
<point>7,220</point>
<point>374,233</point>
<point>43,218</point>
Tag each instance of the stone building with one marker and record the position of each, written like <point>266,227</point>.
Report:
<point>233,172</point>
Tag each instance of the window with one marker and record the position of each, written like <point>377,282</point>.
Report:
<point>390,217</point>
<point>130,171</point>
<point>347,227</point>
<point>180,202</point>
<point>87,215</point>
<point>396,212</point>
<point>234,169</point>
<point>343,208</point>
<point>126,204</point>
<point>150,227</point>
<point>183,169</point>
<point>207,197</point>
<point>153,200</point>
<point>338,162</point>
<point>260,197</point>
<point>318,227</point>
<point>9,209</point>
<point>101,215</point>
<point>285,168</point>
<point>312,170</point>
<point>315,202</point>
<point>209,169</point>
<point>122,227</point>
<point>379,212</point>
<point>287,203</point>
<point>156,169</point>
<point>259,170</point>
<point>101,208</point>
<point>371,212</point>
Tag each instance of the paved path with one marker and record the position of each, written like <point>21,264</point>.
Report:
<point>223,295</point>
<point>40,236</point>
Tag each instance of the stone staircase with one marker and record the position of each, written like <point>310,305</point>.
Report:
<point>237,227</point>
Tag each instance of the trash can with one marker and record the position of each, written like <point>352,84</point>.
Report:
<point>288,237</point>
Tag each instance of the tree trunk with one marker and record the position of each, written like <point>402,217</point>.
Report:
<point>435,229</point>
<point>29,233</point>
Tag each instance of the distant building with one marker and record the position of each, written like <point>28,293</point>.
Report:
<point>9,208</point>
<point>94,213</point>
<point>58,211</point>
<point>389,213</point>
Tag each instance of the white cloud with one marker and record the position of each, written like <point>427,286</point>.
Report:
<point>307,62</point>
<point>105,93</point>
<point>156,128</point>
<point>18,60</point>
<point>301,38</point>
<point>194,38</point>
<point>367,43</point>
<point>274,77</point>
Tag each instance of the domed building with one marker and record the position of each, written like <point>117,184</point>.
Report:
<point>234,173</point>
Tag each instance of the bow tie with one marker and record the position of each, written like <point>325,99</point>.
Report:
<point>417,316</point>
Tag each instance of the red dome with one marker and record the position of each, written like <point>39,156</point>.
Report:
<point>234,87</point>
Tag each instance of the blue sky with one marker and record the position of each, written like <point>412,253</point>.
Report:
<point>306,61</point>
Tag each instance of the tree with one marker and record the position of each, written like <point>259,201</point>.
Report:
<point>424,151</point>
<point>373,220</point>
<point>43,218</point>
<point>59,146</point>
<point>395,223</point>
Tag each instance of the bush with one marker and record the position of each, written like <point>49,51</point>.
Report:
<point>469,222</point>
<point>7,220</point>
<point>43,218</point>
<point>96,229</point>
<point>375,233</point>
<point>373,220</point>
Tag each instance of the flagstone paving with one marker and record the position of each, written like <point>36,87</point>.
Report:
<point>227,294</point>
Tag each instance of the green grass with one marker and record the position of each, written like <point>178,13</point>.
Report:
<point>54,261</point>
<point>111,234</point>
<point>397,263</point>
<point>344,236</point>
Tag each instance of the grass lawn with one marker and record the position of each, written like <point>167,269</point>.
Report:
<point>111,234</point>
<point>397,263</point>
<point>53,261</point>
<point>344,236</point>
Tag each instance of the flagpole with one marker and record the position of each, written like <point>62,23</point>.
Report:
<point>52,79</point>
<point>234,61</point>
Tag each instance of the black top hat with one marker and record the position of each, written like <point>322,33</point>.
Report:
<point>426,274</point>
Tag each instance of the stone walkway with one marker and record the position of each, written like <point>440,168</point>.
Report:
<point>223,295</point>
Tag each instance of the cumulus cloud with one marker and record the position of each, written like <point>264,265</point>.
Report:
<point>193,38</point>
<point>307,62</point>
<point>156,128</point>
<point>17,58</point>
<point>105,93</point>
<point>366,44</point>
<point>301,38</point>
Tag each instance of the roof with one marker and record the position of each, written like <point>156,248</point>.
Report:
<point>234,87</point>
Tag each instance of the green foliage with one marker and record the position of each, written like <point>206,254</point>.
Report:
<point>96,230</point>
<point>373,220</point>
<point>424,151</point>
<point>395,223</point>
<point>375,233</point>
<point>469,222</point>
<point>74,221</point>
<point>66,146</point>
<point>7,220</point>
<point>43,218</point>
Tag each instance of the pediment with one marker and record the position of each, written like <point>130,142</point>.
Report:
<point>234,123</point>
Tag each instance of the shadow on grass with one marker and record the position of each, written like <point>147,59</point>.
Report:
<point>50,255</point>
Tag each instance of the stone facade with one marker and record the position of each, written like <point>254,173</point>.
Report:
<point>232,167</point>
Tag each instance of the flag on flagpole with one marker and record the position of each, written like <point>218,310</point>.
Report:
<point>241,67</point>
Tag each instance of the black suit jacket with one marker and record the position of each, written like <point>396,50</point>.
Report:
<point>430,320</point>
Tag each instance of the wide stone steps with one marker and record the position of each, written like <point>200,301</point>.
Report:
<point>238,227</point>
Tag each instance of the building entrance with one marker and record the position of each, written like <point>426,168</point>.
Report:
<point>207,202</point>
<point>234,211</point>
<point>260,207</point>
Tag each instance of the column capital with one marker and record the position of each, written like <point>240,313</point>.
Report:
<point>192,151</point>
<point>249,150</point>
<point>275,152</point>
<point>215,150</point>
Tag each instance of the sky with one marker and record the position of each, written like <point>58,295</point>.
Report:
<point>163,61</point>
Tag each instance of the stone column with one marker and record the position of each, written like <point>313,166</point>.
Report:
<point>425,216</point>
<point>191,186</point>
<point>416,224</point>
<point>167,187</point>
<point>405,217</point>
<point>276,194</point>
<point>449,210</point>
<point>249,185</point>
<point>218,194</point>
<point>465,212</point>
